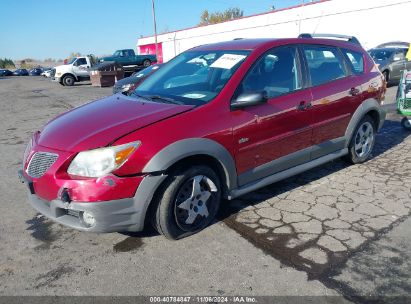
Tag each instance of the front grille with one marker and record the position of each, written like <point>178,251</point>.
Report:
<point>53,73</point>
<point>40,163</point>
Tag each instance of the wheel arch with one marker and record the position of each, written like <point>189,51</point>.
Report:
<point>196,151</point>
<point>69,74</point>
<point>369,107</point>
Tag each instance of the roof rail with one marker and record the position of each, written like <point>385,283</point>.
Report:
<point>394,44</point>
<point>351,39</point>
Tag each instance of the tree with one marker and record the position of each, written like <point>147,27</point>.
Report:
<point>74,54</point>
<point>217,17</point>
<point>6,64</point>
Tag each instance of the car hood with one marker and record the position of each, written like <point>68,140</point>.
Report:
<point>128,80</point>
<point>99,123</point>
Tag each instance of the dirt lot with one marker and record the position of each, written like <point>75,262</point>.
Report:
<point>335,230</point>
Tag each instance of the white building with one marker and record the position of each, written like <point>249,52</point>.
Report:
<point>371,21</point>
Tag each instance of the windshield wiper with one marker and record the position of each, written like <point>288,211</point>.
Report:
<point>140,96</point>
<point>164,99</point>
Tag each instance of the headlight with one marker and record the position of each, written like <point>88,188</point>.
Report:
<point>99,162</point>
<point>126,87</point>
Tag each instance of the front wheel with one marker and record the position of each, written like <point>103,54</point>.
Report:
<point>362,142</point>
<point>386,75</point>
<point>406,123</point>
<point>187,202</point>
<point>68,80</point>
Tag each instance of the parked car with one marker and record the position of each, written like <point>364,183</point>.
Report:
<point>391,60</point>
<point>47,72</point>
<point>76,70</point>
<point>270,109</point>
<point>21,72</point>
<point>128,84</point>
<point>35,72</point>
<point>129,60</point>
<point>5,72</point>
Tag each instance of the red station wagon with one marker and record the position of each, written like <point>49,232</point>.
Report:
<point>214,123</point>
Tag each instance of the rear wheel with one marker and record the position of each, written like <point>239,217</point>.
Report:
<point>68,80</point>
<point>187,202</point>
<point>362,142</point>
<point>146,63</point>
<point>406,123</point>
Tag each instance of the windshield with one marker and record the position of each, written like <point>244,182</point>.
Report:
<point>380,55</point>
<point>193,77</point>
<point>72,60</point>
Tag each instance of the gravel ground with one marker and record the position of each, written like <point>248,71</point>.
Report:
<point>303,236</point>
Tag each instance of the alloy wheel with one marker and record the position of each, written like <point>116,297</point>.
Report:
<point>193,202</point>
<point>364,140</point>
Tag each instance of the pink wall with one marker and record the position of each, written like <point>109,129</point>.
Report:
<point>151,49</point>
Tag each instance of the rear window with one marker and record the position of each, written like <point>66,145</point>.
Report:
<point>357,61</point>
<point>324,64</point>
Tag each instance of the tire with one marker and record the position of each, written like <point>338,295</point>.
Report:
<point>146,63</point>
<point>68,80</point>
<point>386,76</point>
<point>179,207</point>
<point>362,141</point>
<point>406,123</point>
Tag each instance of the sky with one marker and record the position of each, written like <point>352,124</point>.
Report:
<point>42,29</point>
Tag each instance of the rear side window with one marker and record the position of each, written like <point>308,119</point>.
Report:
<point>357,61</point>
<point>324,64</point>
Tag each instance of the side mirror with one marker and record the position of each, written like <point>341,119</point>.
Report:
<point>249,99</point>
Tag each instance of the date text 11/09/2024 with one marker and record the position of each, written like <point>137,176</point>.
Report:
<point>203,299</point>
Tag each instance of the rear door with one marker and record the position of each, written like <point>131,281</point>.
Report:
<point>336,93</point>
<point>275,136</point>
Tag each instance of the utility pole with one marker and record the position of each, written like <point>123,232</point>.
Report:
<point>155,27</point>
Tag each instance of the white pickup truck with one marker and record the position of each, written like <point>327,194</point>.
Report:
<point>77,69</point>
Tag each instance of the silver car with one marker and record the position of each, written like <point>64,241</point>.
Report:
<point>391,60</point>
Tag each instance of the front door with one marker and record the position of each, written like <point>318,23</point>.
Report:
<point>274,136</point>
<point>80,67</point>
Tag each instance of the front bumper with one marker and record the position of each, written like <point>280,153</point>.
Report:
<point>126,214</point>
<point>56,79</point>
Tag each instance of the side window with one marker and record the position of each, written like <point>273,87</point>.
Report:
<point>81,61</point>
<point>324,64</point>
<point>276,73</point>
<point>357,61</point>
<point>399,55</point>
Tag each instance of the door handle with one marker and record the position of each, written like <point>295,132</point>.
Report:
<point>304,106</point>
<point>354,92</point>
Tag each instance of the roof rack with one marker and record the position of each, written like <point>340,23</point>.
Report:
<point>351,39</point>
<point>394,44</point>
